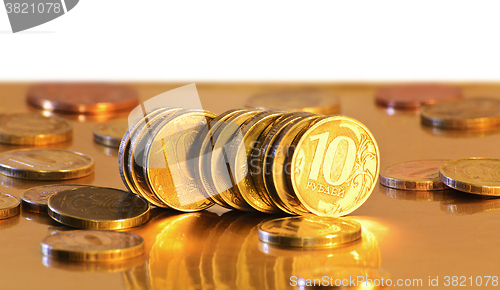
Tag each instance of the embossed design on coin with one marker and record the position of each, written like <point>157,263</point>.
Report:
<point>310,231</point>
<point>412,96</point>
<point>92,246</point>
<point>9,206</point>
<point>45,164</point>
<point>335,166</point>
<point>477,113</point>
<point>313,101</point>
<point>36,198</point>
<point>414,175</point>
<point>474,175</point>
<point>33,129</point>
<point>98,208</point>
<point>86,98</point>
<point>110,133</point>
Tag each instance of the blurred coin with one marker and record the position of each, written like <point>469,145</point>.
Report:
<point>33,129</point>
<point>36,198</point>
<point>110,133</point>
<point>226,139</point>
<point>310,231</point>
<point>414,175</point>
<point>45,164</point>
<point>413,96</point>
<point>92,246</point>
<point>478,113</point>
<point>87,98</point>
<point>241,159</point>
<point>312,101</point>
<point>98,208</point>
<point>167,157</point>
<point>335,166</point>
<point>474,175</point>
<point>9,206</point>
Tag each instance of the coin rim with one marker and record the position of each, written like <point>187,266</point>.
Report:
<point>397,183</point>
<point>12,211</point>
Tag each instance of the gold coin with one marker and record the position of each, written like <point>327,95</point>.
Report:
<point>312,101</point>
<point>9,206</point>
<point>98,208</point>
<point>138,140</point>
<point>335,166</point>
<point>261,170</point>
<point>463,114</point>
<point>241,158</point>
<point>92,246</point>
<point>309,231</point>
<point>123,151</point>
<point>45,164</point>
<point>204,152</point>
<point>226,138</point>
<point>110,133</point>
<point>280,166</point>
<point>167,159</point>
<point>36,198</point>
<point>414,175</point>
<point>474,175</point>
<point>33,129</point>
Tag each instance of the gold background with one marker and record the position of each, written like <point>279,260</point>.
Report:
<point>406,235</point>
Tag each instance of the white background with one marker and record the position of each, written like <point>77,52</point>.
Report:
<point>258,40</point>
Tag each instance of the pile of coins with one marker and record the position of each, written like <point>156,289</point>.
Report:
<point>249,159</point>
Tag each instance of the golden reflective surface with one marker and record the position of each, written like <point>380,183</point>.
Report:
<point>446,233</point>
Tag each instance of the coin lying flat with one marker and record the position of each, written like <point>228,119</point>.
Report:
<point>33,129</point>
<point>36,198</point>
<point>413,96</point>
<point>335,166</point>
<point>312,101</point>
<point>98,208</point>
<point>86,98</point>
<point>9,206</point>
<point>474,175</point>
<point>310,231</point>
<point>414,175</point>
<point>110,133</point>
<point>92,246</point>
<point>45,164</point>
<point>477,113</point>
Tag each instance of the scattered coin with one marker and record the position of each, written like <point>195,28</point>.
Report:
<point>45,164</point>
<point>413,96</point>
<point>110,133</point>
<point>98,208</point>
<point>36,198</point>
<point>92,246</point>
<point>473,175</point>
<point>480,113</point>
<point>313,101</point>
<point>9,206</point>
<point>83,98</point>
<point>414,175</point>
<point>33,129</point>
<point>335,166</point>
<point>309,231</point>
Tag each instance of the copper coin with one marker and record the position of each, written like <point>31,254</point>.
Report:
<point>414,175</point>
<point>86,98</point>
<point>413,96</point>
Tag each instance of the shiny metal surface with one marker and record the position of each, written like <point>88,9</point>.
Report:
<point>406,235</point>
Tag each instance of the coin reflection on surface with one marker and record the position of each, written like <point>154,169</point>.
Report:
<point>99,267</point>
<point>418,195</point>
<point>339,277</point>
<point>464,203</point>
<point>108,151</point>
<point>477,133</point>
<point>9,222</point>
<point>39,218</point>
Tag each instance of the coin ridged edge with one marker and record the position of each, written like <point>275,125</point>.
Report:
<point>411,185</point>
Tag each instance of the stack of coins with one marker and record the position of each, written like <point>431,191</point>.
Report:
<point>248,159</point>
